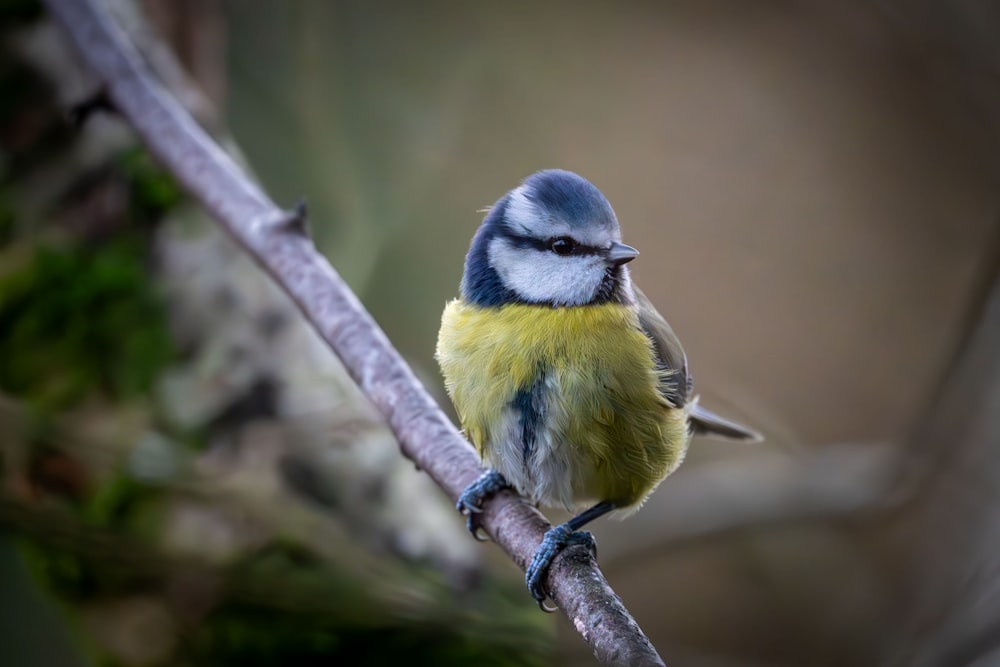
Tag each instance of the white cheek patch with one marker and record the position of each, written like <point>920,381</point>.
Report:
<point>540,276</point>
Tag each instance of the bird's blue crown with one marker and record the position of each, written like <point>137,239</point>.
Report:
<point>557,195</point>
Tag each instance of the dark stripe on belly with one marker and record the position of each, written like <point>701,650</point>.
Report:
<point>530,405</point>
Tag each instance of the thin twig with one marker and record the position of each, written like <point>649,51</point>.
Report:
<point>277,241</point>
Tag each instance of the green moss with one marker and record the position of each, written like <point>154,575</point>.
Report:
<point>152,190</point>
<point>77,320</point>
<point>286,608</point>
<point>63,573</point>
<point>7,227</point>
<point>243,635</point>
<point>113,502</point>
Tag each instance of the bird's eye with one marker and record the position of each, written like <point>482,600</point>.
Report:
<point>563,245</point>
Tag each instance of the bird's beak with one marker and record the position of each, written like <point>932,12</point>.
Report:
<point>619,254</point>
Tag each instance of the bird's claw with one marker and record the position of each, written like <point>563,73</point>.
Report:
<point>555,540</point>
<point>472,525</point>
<point>470,503</point>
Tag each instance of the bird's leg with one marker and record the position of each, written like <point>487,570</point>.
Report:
<point>470,503</point>
<point>555,540</point>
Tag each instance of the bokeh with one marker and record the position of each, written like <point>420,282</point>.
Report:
<point>189,477</point>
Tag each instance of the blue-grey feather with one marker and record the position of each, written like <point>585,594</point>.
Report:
<point>481,284</point>
<point>530,405</point>
<point>570,197</point>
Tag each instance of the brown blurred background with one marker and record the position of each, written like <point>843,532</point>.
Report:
<point>814,190</point>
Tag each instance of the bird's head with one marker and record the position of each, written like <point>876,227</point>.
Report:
<point>553,240</point>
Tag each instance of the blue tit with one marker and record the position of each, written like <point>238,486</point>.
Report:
<point>572,387</point>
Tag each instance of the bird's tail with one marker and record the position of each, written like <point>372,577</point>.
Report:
<point>705,422</point>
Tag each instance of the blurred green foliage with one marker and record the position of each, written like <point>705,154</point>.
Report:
<point>6,221</point>
<point>242,636</point>
<point>78,318</point>
<point>279,610</point>
<point>63,572</point>
<point>152,191</point>
<point>126,505</point>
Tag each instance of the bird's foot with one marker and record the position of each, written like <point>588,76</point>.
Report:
<point>470,503</point>
<point>555,540</point>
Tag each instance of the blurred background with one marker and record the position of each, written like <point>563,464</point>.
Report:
<point>188,476</point>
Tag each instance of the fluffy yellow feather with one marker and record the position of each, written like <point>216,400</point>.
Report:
<point>609,432</point>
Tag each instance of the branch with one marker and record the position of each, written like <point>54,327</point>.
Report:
<point>277,241</point>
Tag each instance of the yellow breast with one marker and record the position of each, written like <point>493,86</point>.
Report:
<point>602,431</point>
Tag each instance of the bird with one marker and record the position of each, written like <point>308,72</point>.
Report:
<point>573,389</point>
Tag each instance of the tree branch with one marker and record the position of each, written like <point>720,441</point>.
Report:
<point>282,249</point>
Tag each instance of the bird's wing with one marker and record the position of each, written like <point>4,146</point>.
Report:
<point>678,384</point>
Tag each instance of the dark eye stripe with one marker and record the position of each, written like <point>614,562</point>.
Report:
<point>545,245</point>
